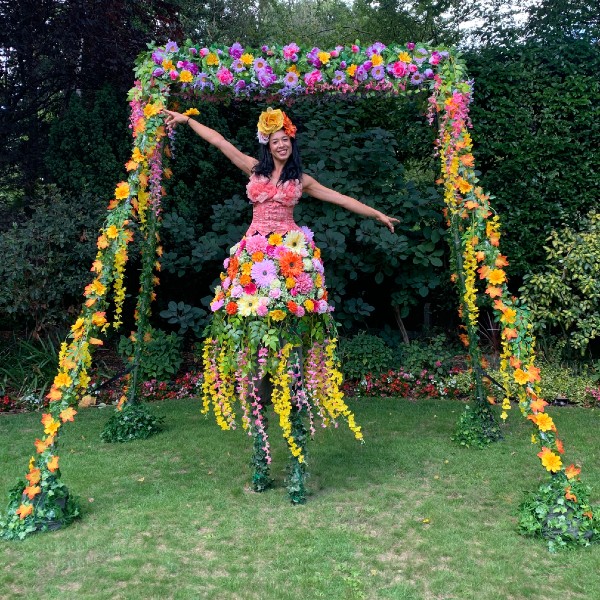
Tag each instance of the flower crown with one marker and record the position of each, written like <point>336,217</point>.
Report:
<point>271,121</point>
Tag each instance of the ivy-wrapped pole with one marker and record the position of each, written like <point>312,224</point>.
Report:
<point>148,280</point>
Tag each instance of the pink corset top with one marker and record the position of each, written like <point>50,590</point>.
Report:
<point>272,205</point>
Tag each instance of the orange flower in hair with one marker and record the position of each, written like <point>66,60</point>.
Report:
<point>289,128</point>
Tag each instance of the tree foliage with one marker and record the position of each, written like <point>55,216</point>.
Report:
<point>52,49</point>
<point>536,121</point>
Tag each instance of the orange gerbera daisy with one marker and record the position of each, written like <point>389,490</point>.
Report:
<point>290,264</point>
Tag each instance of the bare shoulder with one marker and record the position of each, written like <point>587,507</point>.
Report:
<point>308,182</point>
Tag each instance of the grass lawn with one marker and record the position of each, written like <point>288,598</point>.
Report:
<point>406,516</point>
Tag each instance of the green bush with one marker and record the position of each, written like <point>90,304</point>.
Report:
<point>557,382</point>
<point>45,260</point>
<point>565,295</point>
<point>160,356</point>
<point>27,369</point>
<point>132,422</point>
<point>435,354</point>
<point>365,353</point>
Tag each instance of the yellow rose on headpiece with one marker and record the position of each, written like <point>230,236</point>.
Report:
<point>270,121</point>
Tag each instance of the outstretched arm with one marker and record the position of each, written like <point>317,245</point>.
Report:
<point>311,186</point>
<point>238,158</point>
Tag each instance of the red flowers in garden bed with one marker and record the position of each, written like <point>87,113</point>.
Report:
<point>403,384</point>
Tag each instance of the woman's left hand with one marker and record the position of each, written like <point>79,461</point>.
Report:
<point>387,221</point>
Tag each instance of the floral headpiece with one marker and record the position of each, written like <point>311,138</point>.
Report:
<point>271,121</point>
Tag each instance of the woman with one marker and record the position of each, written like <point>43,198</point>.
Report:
<point>271,326</point>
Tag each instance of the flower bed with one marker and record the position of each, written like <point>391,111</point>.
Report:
<point>405,384</point>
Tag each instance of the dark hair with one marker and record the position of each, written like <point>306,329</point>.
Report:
<point>291,170</point>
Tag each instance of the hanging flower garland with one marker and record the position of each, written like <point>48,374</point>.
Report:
<point>469,208</point>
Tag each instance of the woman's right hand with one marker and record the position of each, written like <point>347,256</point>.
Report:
<point>174,118</point>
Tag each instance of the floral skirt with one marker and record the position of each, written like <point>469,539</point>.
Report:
<point>271,318</point>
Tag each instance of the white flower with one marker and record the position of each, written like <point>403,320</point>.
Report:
<point>308,266</point>
<point>247,305</point>
<point>295,241</point>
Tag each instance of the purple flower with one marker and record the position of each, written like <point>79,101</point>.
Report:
<point>318,265</point>
<point>312,58</point>
<point>158,72</point>
<point>239,86</point>
<point>361,73</point>
<point>263,272</point>
<point>193,50</point>
<point>376,48</point>
<point>378,72</point>
<point>410,46</point>
<point>266,77</point>
<point>343,64</point>
<point>338,78</point>
<point>236,50</point>
<point>264,48</point>
<point>428,73</point>
<point>171,47</point>
<point>216,305</point>
<point>417,79</point>
<point>290,79</point>
<point>423,51</point>
<point>204,81</point>
<point>259,64</point>
<point>236,291</point>
<point>158,57</point>
<point>186,64</point>
<point>308,233</point>
<point>237,66</point>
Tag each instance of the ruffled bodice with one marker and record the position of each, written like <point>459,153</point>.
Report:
<point>272,205</point>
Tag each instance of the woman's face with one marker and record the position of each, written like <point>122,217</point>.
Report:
<point>280,145</point>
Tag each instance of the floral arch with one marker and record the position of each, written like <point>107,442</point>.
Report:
<point>283,74</point>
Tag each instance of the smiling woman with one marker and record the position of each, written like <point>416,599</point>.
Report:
<point>272,339</point>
